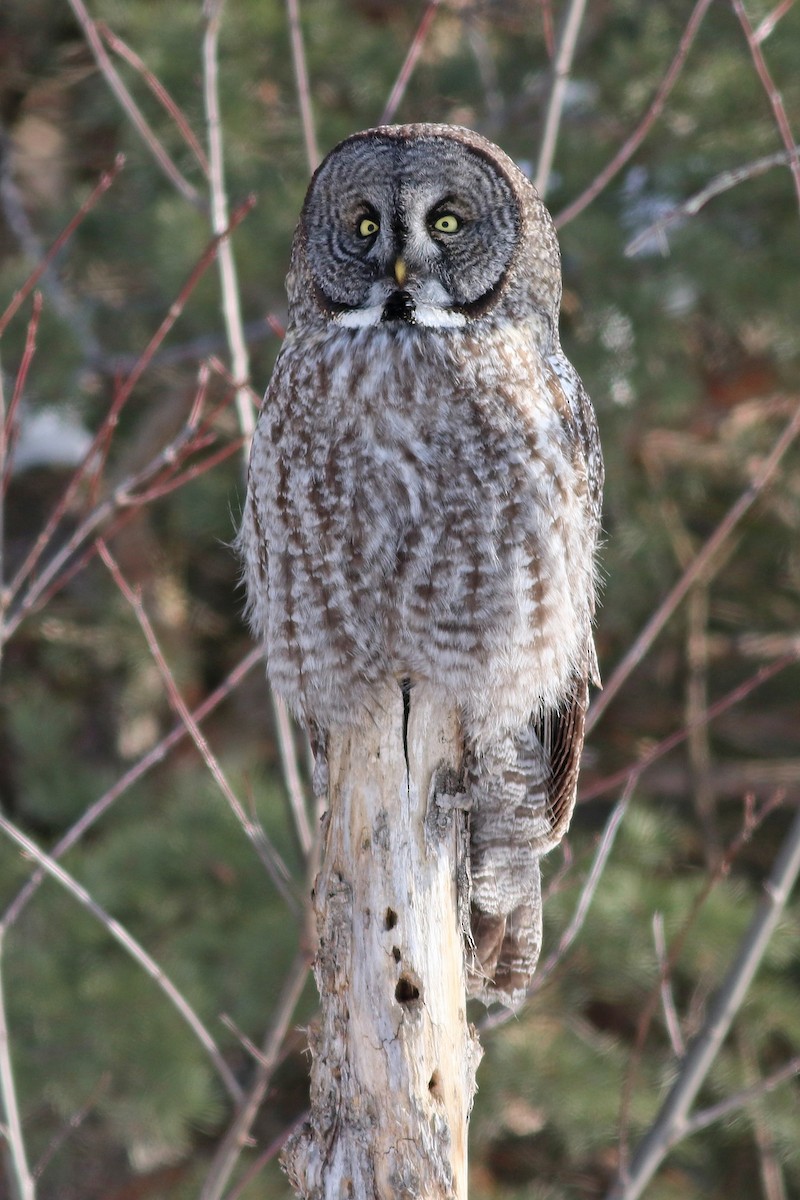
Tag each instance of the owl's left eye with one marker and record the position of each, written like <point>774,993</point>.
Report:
<point>447,223</point>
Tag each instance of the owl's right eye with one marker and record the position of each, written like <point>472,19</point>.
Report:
<point>368,227</point>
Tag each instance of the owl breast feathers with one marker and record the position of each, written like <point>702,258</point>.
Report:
<point>424,492</point>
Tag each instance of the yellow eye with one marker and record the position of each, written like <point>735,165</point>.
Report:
<point>447,223</point>
<point>368,227</point>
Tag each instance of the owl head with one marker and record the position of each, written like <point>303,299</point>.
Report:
<point>426,226</point>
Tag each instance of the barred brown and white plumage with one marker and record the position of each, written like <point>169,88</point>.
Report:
<point>425,487</point>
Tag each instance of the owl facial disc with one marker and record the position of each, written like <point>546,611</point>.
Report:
<point>408,231</point>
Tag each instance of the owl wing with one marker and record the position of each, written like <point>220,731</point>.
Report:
<point>560,734</point>
<point>251,545</point>
<point>577,412</point>
<point>523,789</point>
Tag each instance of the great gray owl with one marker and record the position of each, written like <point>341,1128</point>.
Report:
<point>424,492</point>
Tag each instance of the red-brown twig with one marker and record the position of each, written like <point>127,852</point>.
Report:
<point>159,490</point>
<point>766,26</point>
<point>122,395</point>
<point>407,69</point>
<point>157,88</point>
<point>266,1156</point>
<point>774,96</point>
<point>277,327</point>
<point>611,782</point>
<point>111,516</point>
<point>303,89</point>
<point>632,144</point>
<point>8,434</point>
<point>131,108</point>
<point>274,864</point>
<point>219,368</point>
<point>131,494</point>
<point>547,27</point>
<point>151,759</point>
<point>698,568</point>
<point>104,183</point>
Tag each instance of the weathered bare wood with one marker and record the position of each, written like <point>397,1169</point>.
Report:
<point>394,1059</point>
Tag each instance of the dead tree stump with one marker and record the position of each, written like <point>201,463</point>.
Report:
<point>394,1058</point>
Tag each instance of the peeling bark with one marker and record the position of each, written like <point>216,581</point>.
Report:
<point>394,1059</point>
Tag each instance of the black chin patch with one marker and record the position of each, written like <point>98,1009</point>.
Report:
<point>399,307</point>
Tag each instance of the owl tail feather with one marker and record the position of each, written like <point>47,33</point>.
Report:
<point>507,800</point>
<point>506,953</point>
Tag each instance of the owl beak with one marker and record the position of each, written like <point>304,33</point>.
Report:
<point>400,271</point>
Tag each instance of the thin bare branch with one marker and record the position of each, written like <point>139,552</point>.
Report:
<point>232,1144</point>
<point>632,143</point>
<point>231,304</point>
<point>131,494</point>
<point>697,661</point>
<point>100,439</point>
<point>548,31</point>
<point>715,1112</point>
<point>303,89</point>
<point>752,818</point>
<point>206,346</point>
<point>266,1155</point>
<point>241,1037</point>
<point>699,568</point>
<point>155,85</point>
<point>237,342</point>
<point>773,95</point>
<point>670,1125</point>
<point>16,215</point>
<point>766,27</point>
<point>18,1174</point>
<point>131,108</point>
<point>69,1128</point>
<point>602,854</point>
<point>487,70</point>
<point>153,757</point>
<point>276,868</point>
<point>770,1167</point>
<point>3,455</point>
<point>667,999</point>
<point>136,951</point>
<point>410,62</point>
<point>9,429</point>
<point>555,106</point>
<point>719,184</point>
<point>609,784</point>
<point>102,186</point>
